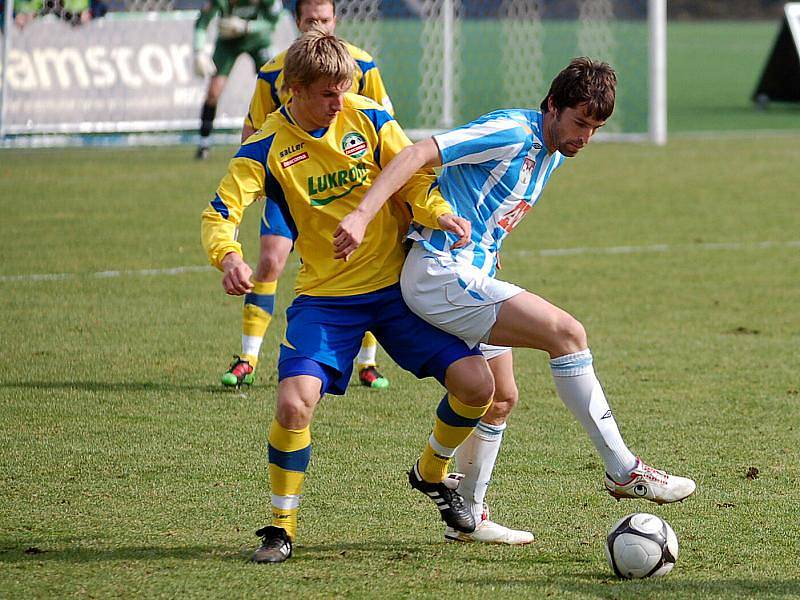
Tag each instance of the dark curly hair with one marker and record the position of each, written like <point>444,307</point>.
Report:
<point>584,81</point>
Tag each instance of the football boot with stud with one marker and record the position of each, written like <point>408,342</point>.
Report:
<point>370,377</point>
<point>276,545</point>
<point>448,501</point>
<point>651,484</point>
<point>239,373</point>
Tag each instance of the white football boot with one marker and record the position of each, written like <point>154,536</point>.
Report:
<point>489,532</point>
<point>486,530</point>
<point>651,484</point>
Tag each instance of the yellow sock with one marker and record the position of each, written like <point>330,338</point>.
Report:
<point>454,422</point>
<point>256,316</point>
<point>368,351</point>
<point>289,452</point>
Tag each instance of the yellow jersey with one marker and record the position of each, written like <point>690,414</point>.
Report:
<point>269,93</point>
<point>317,178</point>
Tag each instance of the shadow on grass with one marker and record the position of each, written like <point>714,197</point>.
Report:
<point>678,588</point>
<point>128,386</point>
<point>39,554</point>
<point>20,553</point>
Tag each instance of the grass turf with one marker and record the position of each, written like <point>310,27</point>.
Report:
<point>126,470</point>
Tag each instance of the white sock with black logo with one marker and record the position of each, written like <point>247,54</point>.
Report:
<point>475,458</point>
<point>580,390</point>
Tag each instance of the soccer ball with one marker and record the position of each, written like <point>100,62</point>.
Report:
<point>641,545</point>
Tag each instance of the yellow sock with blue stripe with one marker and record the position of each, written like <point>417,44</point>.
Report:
<point>289,453</point>
<point>454,422</point>
<point>256,316</point>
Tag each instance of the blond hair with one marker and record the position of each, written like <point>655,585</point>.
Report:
<point>317,55</point>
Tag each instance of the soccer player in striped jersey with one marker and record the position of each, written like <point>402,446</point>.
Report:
<point>269,95</point>
<point>314,158</point>
<point>495,169</point>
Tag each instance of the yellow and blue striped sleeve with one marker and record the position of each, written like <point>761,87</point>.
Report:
<point>267,96</point>
<point>419,192</point>
<point>242,185</point>
<point>370,84</point>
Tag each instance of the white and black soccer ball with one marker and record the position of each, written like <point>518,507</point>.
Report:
<point>641,545</point>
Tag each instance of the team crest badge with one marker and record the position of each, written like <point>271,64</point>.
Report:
<point>354,145</point>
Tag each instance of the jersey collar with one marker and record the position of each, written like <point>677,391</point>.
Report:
<point>316,133</point>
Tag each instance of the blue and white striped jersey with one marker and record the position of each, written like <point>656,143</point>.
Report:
<point>495,169</point>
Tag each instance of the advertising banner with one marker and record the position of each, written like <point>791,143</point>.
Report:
<point>123,73</point>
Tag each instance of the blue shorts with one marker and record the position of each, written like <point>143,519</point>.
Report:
<point>328,330</point>
<point>275,222</point>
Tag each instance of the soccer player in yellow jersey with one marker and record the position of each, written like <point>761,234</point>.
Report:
<point>269,95</point>
<point>314,159</point>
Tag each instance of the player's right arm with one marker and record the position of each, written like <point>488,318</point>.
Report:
<point>207,14</point>
<point>242,185</point>
<point>203,62</point>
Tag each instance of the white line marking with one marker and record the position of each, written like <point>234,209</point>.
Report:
<point>658,248</point>
<point>545,252</point>
<point>104,274</point>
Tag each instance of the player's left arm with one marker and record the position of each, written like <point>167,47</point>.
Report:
<point>373,87</point>
<point>268,13</point>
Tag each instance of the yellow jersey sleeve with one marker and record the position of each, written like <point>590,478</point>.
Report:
<point>242,185</point>
<point>426,205</point>
<point>267,96</point>
<point>368,81</point>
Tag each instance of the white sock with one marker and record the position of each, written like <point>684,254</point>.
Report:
<point>367,354</point>
<point>580,390</point>
<point>251,345</point>
<point>475,458</point>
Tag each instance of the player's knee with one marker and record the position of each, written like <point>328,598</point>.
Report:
<point>478,391</point>
<point>270,264</point>
<point>570,335</point>
<point>292,412</point>
<point>505,399</point>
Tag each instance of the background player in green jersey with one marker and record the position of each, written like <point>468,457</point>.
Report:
<point>245,26</point>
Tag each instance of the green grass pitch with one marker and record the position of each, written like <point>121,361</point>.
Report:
<point>126,470</point>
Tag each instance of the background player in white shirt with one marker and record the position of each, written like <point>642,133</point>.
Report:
<point>495,169</point>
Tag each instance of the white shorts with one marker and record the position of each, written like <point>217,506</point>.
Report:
<point>457,298</point>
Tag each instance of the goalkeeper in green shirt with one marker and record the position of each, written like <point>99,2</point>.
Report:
<point>244,26</point>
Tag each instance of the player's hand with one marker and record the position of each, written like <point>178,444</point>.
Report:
<point>349,235</point>
<point>457,225</point>
<point>203,64</point>
<point>231,27</point>
<point>237,274</point>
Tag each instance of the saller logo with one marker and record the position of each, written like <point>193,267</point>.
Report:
<point>354,145</point>
<point>339,184</point>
